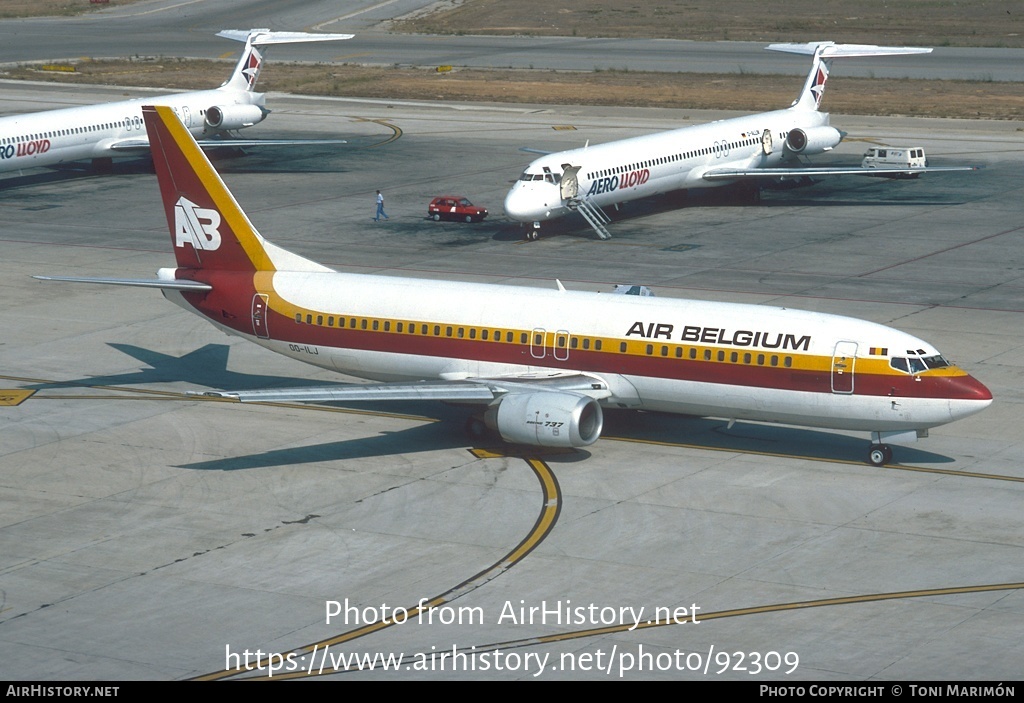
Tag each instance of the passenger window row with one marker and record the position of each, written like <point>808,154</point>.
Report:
<point>509,336</point>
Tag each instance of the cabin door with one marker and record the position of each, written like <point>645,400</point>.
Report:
<point>259,316</point>
<point>538,343</point>
<point>844,359</point>
<point>544,344</point>
<point>569,185</point>
<point>561,346</point>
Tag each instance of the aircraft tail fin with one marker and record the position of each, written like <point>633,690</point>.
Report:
<point>823,53</point>
<point>247,72</point>
<point>209,230</point>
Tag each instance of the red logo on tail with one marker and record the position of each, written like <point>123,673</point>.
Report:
<point>818,88</point>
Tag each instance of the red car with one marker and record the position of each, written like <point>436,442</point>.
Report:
<point>455,207</point>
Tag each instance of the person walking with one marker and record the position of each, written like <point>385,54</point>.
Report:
<point>380,208</point>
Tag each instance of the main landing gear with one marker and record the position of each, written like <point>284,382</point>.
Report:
<point>880,454</point>
<point>476,428</point>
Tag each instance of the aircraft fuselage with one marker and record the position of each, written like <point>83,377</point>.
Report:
<point>681,356</point>
<point>114,129</point>
<point>648,165</point>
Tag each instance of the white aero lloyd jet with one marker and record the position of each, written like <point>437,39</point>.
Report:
<point>104,131</point>
<point>538,364</point>
<point>745,150</point>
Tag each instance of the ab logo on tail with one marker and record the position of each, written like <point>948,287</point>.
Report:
<point>196,226</point>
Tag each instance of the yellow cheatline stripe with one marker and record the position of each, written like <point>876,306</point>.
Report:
<point>224,201</point>
<point>759,358</point>
<point>551,505</point>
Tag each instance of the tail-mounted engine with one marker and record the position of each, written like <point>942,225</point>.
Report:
<point>234,116</point>
<point>546,419</point>
<point>814,140</point>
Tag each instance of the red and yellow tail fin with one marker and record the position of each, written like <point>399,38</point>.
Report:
<point>208,228</point>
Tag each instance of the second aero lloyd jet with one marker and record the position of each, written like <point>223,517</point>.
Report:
<point>539,365</point>
<point>745,150</point>
<point>102,132</point>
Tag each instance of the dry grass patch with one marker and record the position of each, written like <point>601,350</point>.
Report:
<point>994,23</point>
<point>753,93</point>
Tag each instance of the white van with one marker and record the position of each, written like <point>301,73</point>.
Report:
<point>894,157</point>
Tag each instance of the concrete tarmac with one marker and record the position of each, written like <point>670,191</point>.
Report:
<point>145,534</point>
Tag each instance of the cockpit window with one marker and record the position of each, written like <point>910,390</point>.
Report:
<point>549,177</point>
<point>917,364</point>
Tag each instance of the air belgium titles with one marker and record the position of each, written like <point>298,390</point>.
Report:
<point>720,335</point>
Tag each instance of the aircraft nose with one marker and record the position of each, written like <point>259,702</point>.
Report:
<point>969,388</point>
<point>518,206</point>
<point>967,395</point>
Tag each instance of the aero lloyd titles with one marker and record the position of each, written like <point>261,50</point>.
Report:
<point>721,335</point>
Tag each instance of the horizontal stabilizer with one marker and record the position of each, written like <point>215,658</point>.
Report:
<point>264,37</point>
<point>170,284</point>
<point>831,50</point>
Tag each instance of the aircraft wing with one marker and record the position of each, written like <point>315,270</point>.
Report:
<point>129,146</point>
<point>731,174</point>
<point>214,143</point>
<point>470,390</point>
<point>141,146</point>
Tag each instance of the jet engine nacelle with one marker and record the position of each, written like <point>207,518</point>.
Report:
<point>546,419</point>
<point>814,140</point>
<point>234,116</point>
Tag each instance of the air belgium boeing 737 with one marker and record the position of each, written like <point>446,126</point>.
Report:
<point>539,365</point>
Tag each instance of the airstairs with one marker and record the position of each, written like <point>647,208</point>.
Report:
<point>593,214</point>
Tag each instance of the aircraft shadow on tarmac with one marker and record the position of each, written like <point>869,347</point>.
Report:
<point>818,195</point>
<point>71,172</point>
<point>690,433</point>
<point>751,437</point>
<point>207,367</point>
<point>328,158</point>
<point>227,159</point>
